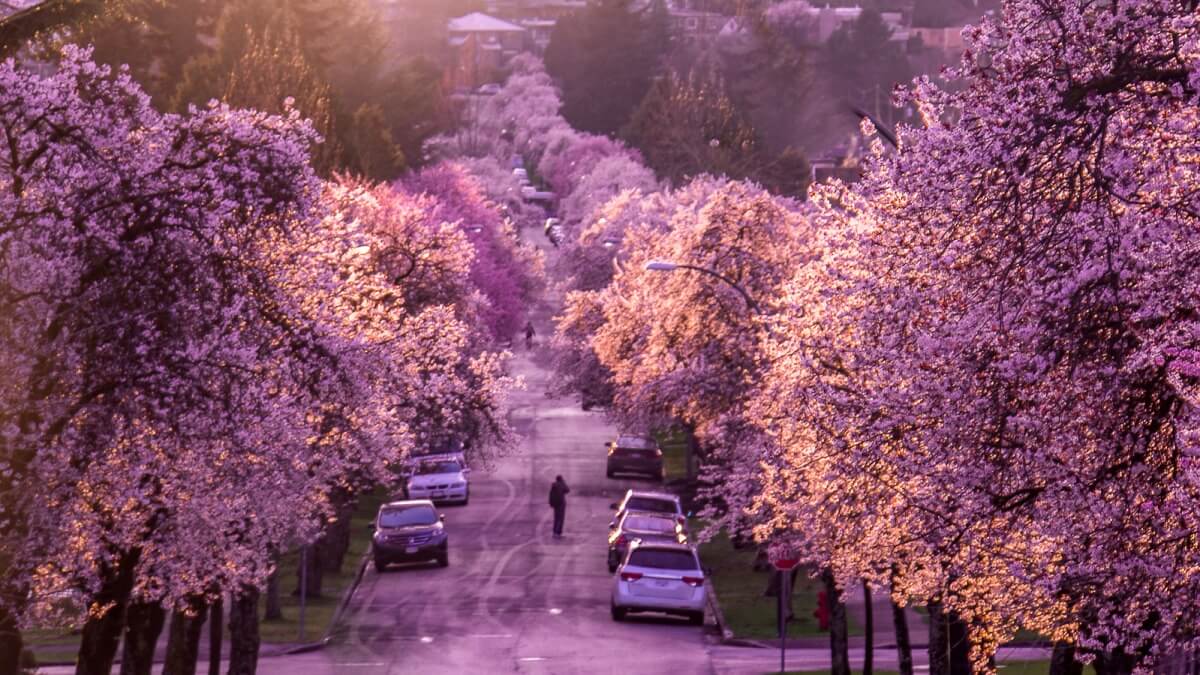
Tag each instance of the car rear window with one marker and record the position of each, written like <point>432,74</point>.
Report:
<point>635,443</point>
<point>664,559</point>
<point>650,504</point>
<point>650,524</point>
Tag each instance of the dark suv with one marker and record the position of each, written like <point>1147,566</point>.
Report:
<point>409,531</point>
<point>635,455</point>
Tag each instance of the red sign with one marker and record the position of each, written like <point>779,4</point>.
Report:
<point>785,564</point>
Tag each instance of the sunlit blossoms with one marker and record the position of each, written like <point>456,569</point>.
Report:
<point>995,384</point>
<point>203,344</point>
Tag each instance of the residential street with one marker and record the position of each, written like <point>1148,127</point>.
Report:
<point>515,599</point>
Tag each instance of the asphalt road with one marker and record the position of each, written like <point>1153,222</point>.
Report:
<point>515,599</point>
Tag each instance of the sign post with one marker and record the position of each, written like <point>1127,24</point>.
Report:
<point>784,567</point>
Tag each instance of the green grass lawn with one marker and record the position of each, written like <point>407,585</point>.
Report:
<point>1004,667</point>
<point>748,613</point>
<point>319,612</point>
<point>674,450</point>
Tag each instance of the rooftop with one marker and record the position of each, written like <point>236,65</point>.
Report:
<point>478,22</point>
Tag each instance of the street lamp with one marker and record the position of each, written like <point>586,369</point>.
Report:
<point>668,266</point>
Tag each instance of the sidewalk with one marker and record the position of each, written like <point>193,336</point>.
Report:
<point>727,660</point>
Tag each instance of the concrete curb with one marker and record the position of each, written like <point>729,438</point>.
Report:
<point>715,607</point>
<point>347,596</point>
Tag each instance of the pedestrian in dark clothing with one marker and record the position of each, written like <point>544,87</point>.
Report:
<point>529,335</point>
<point>558,501</point>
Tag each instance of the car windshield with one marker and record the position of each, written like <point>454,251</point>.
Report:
<point>635,443</point>
<point>650,524</point>
<point>664,559</point>
<point>439,467</point>
<point>650,504</point>
<point>408,515</point>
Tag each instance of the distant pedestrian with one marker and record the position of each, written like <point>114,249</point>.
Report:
<point>558,501</point>
<point>529,332</point>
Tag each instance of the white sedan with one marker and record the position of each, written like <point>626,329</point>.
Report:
<point>659,577</point>
<point>440,481</point>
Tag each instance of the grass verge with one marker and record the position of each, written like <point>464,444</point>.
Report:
<point>318,613</point>
<point>739,589</point>
<point>674,448</point>
<point>1004,667</point>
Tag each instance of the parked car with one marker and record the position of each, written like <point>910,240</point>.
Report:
<point>489,89</point>
<point>409,531</point>
<point>553,230</point>
<point>635,454</point>
<point>521,174</point>
<point>447,450</point>
<point>648,501</point>
<point>659,577</point>
<point>646,528</point>
<point>442,480</point>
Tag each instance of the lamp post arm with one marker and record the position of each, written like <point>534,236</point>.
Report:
<point>745,296</point>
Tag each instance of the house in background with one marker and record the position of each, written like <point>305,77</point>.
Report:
<point>480,45</point>
<point>695,27</point>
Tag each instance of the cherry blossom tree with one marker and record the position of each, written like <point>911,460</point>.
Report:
<point>205,346</point>
<point>990,394</point>
<point>503,271</point>
<point>682,346</point>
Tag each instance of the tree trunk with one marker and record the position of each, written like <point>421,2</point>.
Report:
<point>312,578</point>
<point>939,647</point>
<point>960,644</point>
<point>337,533</point>
<point>1062,660</point>
<point>868,631</point>
<point>839,633</point>
<point>102,633</point>
<point>1113,663</point>
<point>274,610</point>
<point>243,632</point>
<point>216,629</point>
<point>903,642</point>
<point>183,639</point>
<point>689,435</point>
<point>143,624</point>
<point>11,643</point>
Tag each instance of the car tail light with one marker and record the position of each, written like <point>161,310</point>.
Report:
<point>621,541</point>
<point>657,453</point>
<point>693,581</point>
<point>630,576</point>
<point>682,519</point>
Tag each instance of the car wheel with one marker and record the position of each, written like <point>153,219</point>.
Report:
<point>443,560</point>
<point>380,566</point>
<point>696,618</point>
<point>618,613</point>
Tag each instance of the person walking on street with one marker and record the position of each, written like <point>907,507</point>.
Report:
<point>558,501</point>
<point>529,334</point>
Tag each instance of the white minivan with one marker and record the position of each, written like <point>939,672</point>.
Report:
<point>659,577</point>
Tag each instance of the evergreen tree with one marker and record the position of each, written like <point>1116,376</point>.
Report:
<point>605,57</point>
<point>864,64</point>
<point>686,127</point>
